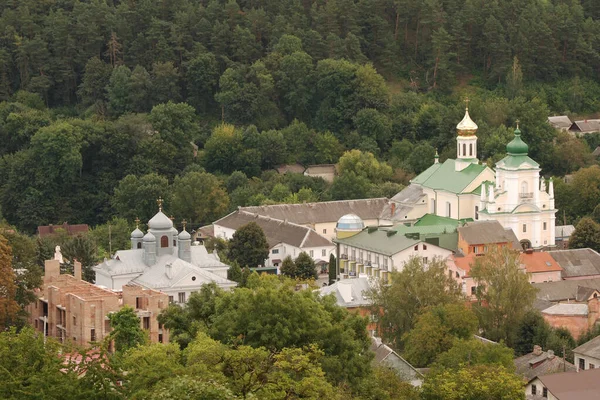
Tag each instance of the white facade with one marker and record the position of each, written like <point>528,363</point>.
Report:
<point>583,362</point>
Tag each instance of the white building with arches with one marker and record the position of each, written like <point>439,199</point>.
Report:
<point>514,194</point>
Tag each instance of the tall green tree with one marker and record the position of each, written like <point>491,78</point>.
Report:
<point>586,235</point>
<point>248,246</point>
<point>305,267</point>
<point>126,330</point>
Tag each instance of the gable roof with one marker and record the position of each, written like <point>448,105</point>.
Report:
<point>586,125</point>
<point>567,309</point>
<point>486,232</point>
<point>582,385</point>
<point>383,352</point>
<point>596,151</point>
<point>319,169</point>
<point>565,289</point>
<point>563,231</point>
<point>293,168</point>
<point>349,293</point>
<point>577,262</point>
<point>386,242</point>
<point>560,121</point>
<point>443,176</point>
<point>276,230</point>
<point>533,263</point>
<point>533,365</point>
<point>590,349</point>
<point>321,212</point>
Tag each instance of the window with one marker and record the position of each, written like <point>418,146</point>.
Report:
<point>312,253</point>
<point>138,303</point>
<point>160,338</point>
<point>385,262</point>
<point>424,247</point>
<point>368,256</point>
<point>92,335</point>
<point>544,392</point>
<point>448,209</point>
<point>476,212</point>
<point>457,275</point>
<point>139,245</point>
<point>275,251</point>
<point>74,320</point>
<point>181,297</point>
<point>323,253</point>
<point>416,247</point>
<point>174,243</point>
<point>476,249</point>
<point>470,149</point>
<point>581,363</point>
<point>353,254</point>
<point>171,299</point>
<point>473,290</point>
<point>324,231</point>
<point>544,226</point>
<point>424,260</point>
<point>164,242</point>
<point>524,228</point>
<point>146,323</point>
<point>524,187</point>
<point>464,149</point>
<point>533,390</point>
<point>592,366</point>
<point>377,259</point>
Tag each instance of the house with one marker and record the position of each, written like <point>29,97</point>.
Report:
<point>284,238</point>
<point>71,230</point>
<point>513,194</point>
<point>538,363</point>
<point>567,291</point>
<point>291,168</point>
<point>561,122</point>
<point>163,259</point>
<point>562,235</point>
<point>578,263</point>
<point>325,171</point>
<point>323,216</point>
<point>582,385</point>
<point>73,310</point>
<point>574,317</point>
<point>587,356</point>
<point>377,251</point>
<point>476,237</point>
<point>385,356</point>
<point>353,295</point>
<point>585,126</point>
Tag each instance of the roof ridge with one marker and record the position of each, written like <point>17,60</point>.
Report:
<point>312,202</point>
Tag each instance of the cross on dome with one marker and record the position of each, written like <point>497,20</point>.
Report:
<point>159,201</point>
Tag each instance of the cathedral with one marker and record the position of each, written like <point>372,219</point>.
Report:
<point>514,194</point>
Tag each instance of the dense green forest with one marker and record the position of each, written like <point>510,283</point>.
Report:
<point>105,102</point>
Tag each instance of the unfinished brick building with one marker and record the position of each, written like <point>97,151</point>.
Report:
<point>71,309</point>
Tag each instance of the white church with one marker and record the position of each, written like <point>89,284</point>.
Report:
<point>513,195</point>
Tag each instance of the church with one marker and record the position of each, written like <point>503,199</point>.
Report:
<point>514,194</point>
<point>163,259</point>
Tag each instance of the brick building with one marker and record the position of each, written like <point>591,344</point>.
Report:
<point>71,309</point>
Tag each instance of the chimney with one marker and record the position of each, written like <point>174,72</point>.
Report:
<point>537,350</point>
<point>77,269</point>
<point>51,268</point>
<point>550,354</point>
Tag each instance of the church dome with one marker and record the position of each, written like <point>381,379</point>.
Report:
<point>350,222</point>
<point>466,126</point>
<point>137,234</point>
<point>517,147</point>
<point>184,235</point>
<point>149,237</point>
<point>160,221</point>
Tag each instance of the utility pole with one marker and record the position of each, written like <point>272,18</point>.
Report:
<point>109,240</point>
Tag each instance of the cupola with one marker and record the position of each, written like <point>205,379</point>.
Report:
<point>517,147</point>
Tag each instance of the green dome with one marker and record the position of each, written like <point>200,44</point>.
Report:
<point>517,147</point>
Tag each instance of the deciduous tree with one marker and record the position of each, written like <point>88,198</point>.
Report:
<point>248,246</point>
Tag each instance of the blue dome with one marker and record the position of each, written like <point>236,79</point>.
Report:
<point>350,222</point>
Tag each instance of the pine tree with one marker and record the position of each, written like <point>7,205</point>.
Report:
<point>332,269</point>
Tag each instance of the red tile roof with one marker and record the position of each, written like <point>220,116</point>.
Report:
<point>534,262</point>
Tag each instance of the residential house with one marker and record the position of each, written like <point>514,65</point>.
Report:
<point>323,216</point>
<point>353,295</point>
<point>284,238</point>
<point>476,237</point>
<point>587,356</point>
<point>73,310</point>
<point>539,363</point>
<point>325,171</point>
<point>163,259</point>
<point>578,264</point>
<point>386,356</point>
<point>291,168</point>
<point>582,385</point>
<point>562,235</point>
<point>71,230</point>
<point>585,126</point>
<point>561,122</point>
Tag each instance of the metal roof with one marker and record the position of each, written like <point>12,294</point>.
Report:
<point>577,262</point>
<point>349,293</point>
<point>560,121</point>
<point>443,176</point>
<point>563,231</point>
<point>567,309</point>
<point>582,385</point>
<point>486,232</point>
<point>590,349</point>
<point>565,289</point>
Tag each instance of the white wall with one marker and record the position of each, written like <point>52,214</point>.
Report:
<point>431,252</point>
<point>588,360</point>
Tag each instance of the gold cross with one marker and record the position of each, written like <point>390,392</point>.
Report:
<point>137,222</point>
<point>184,223</point>
<point>518,122</point>
<point>467,102</point>
<point>172,218</point>
<point>159,201</point>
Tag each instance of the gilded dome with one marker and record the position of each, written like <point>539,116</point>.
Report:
<point>466,126</point>
<point>160,221</point>
<point>517,147</point>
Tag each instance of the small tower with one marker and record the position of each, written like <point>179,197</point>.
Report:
<point>466,141</point>
<point>136,236</point>
<point>348,225</point>
<point>162,228</point>
<point>149,249</point>
<point>184,243</point>
<point>436,158</point>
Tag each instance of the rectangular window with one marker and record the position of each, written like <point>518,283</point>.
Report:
<point>323,253</point>
<point>473,290</point>
<point>275,251</point>
<point>171,299</point>
<point>592,366</point>
<point>377,259</point>
<point>368,256</point>
<point>138,303</point>
<point>74,320</point>
<point>424,260</point>
<point>416,248</point>
<point>92,335</point>
<point>476,249</point>
<point>524,228</point>
<point>353,254</point>
<point>544,226</point>
<point>312,253</point>
<point>581,364</point>
<point>533,390</point>
<point>324,231</point>
<point>385,262</point>
<point>424,247</point>
<point>181,296</point>
<point>476,212</point>
<point>146,323</point>
<point>545,393</point>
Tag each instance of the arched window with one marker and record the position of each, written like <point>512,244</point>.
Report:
<point>464,149</point>
<point>164,241</point>
<point>471,149</point>
<point>139,245</point>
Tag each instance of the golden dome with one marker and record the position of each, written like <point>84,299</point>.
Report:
<point>466,127</point>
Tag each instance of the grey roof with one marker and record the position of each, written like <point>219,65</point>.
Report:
<point>563,231</point>
<point>383,353</point>
<point>321,212</point>
<point>276,230</point>
<point>293,168</point>
<point>409,195</point>
<point>577,262</point>
<point>565,289</point>
<point>349,293</point>
<point>560,122</point>
<point>318,169</point>
<point>567,309</point>
<point>590,349</point>
<point>484,232</point>
<point>586,125</point>
<point>596,151</point>
<point>402,203</point>
<point>582,385</point>
<point>379,241</point>
<point>584,293</point>
<point>532,365</point>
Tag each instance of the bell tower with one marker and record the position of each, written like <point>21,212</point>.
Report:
<point>466,141</point>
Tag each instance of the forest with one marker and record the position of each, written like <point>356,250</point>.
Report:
<point>108,104</point>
